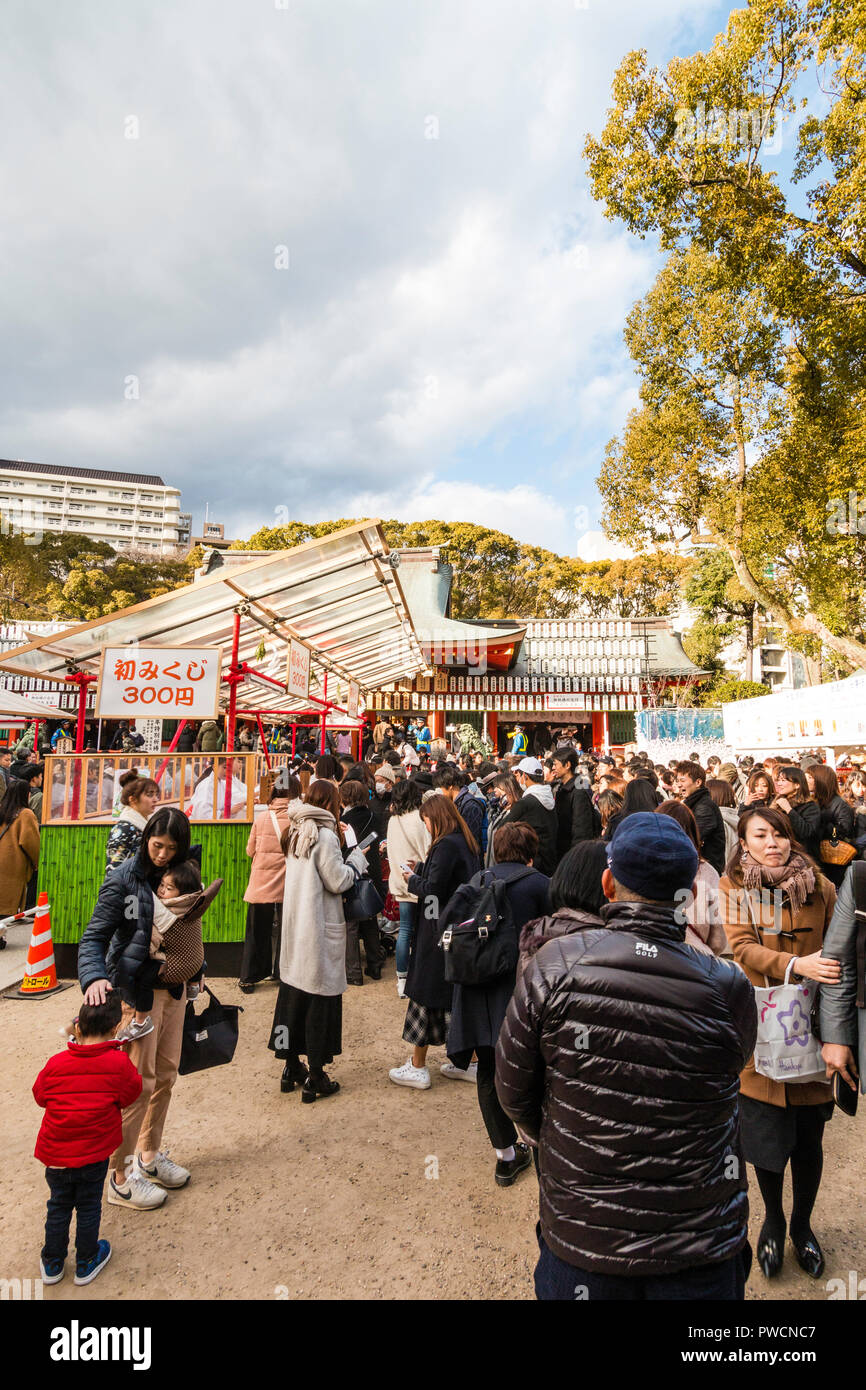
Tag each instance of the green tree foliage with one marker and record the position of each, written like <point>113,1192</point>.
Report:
<point>725,608</point>
<point>69,576</point>
<point>727,688</point>
<point>704,641</point>
<point>751,345</point>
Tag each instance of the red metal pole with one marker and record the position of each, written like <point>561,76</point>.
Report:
<point>234,676</point>
<point>322,744</point>
<point>82,680</point>
<point>294,736</point>
<point>36,737</point>
<point>82,710</point>
<point>171,747</point>
<point>264,741</point>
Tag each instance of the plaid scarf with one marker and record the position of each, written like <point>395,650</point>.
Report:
<point>303,832</point>
<point>796,878</point>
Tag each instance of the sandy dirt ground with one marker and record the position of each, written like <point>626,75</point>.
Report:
<point>340,1199</point>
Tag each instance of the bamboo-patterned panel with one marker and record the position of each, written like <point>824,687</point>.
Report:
<point>72,867</point>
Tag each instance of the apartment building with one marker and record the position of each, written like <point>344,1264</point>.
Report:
<point>129,510</point>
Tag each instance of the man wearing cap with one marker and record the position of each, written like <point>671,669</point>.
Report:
<point>620,1057</point>
<point>519,746</point>
<point>422,742</point>
<point>536,807</point>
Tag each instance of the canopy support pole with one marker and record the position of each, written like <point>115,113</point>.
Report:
<point>264,742</point>
<point>322,744</point>
<point>171,747</point>
<point>294,738</point>
<point>235,676</point>
<point>82,679</point>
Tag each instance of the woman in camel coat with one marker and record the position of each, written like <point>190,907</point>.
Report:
<point>19,847</point>
<point>780,1122</point>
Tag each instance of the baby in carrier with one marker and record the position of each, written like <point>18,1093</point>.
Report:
<point>174,917</point>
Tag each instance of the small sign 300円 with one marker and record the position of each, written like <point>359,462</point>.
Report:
<point>159,682</point>
<point>298,670</point>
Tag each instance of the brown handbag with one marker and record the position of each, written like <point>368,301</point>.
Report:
<point>836,851</point>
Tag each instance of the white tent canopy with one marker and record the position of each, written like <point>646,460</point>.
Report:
<point>22,707</point>
<point>339,595</point>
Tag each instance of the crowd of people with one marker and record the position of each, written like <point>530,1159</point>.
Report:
<point>581,934</point>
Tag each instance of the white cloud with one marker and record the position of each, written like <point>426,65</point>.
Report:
<point>523,512</point>
<point>441,293</point>
<point>594,545</point>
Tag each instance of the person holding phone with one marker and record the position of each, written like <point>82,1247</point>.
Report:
<point>308,1017</point>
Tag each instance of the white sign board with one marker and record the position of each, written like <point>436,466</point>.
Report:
<point>298,670</point>
<point>354,696</point>
<point>151,732</point>
<point>567,700</point>
<point>832,715</point>
<point>159,682</point>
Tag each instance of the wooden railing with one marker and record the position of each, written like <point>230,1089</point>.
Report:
<point>85,787</point>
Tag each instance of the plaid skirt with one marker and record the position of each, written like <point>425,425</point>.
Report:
<point>425,1027</point>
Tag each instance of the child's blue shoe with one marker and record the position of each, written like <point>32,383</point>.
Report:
<point>52,1271</point>
<point>85,1270</point>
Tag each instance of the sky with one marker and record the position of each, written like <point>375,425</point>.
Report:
<point>323,258</point>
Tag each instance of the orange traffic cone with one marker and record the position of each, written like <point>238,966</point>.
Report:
<point>40,976</point>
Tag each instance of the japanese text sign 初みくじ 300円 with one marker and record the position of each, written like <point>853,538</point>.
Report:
<point>166,682</point>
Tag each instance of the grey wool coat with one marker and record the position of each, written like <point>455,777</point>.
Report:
<point>313,948</point>
<point>841,1021</point>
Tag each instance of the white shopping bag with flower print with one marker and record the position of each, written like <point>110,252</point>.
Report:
<point>787,1049</point>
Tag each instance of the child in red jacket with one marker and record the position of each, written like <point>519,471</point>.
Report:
<point>82,1090</point>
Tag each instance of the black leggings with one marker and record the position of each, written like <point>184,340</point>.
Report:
<point>807,1163</point>
<point>499,1128</point>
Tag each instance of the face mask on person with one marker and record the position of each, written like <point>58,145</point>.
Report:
<point>381,788</point>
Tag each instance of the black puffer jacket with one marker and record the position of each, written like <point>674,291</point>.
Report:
<point>640,1165</point>
<point>116,940</point>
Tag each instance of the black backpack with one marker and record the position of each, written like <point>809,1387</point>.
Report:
<point>480,937</point>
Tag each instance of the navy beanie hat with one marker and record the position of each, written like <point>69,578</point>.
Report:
<point>653,856</point>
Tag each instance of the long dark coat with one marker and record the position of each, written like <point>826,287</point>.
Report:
<point>449,864</point>
<point>477,1011</point>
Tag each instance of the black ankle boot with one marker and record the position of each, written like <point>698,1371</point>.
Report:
<point>318,1086</point>
<point>294,1072</point>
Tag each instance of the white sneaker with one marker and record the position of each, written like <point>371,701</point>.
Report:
<point>133,1031</point>
<point>457,1074</point>
<point>136,1192</point>
<point>407,1075</point>
<point>163,1171</point>
<point>401,986</point>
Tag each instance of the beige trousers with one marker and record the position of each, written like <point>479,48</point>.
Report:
<point>155,1058</point>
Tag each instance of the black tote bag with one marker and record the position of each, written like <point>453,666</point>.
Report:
<point>209,1038</point>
